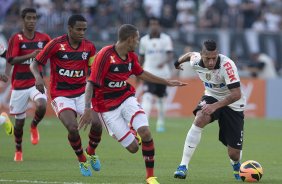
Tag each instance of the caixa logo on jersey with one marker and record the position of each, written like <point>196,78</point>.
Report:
<point>28,61</point>
<point>117,84</point>
<point>71,73</point>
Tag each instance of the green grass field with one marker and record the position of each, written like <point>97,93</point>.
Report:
<point>52,161</point>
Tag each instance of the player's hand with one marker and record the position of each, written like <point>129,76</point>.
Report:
<point>180,67</point>
<point>4,77</point>
<point>176,83</point>
<point>39,84</point>
<point>85,119</point>
<point>208,109</point>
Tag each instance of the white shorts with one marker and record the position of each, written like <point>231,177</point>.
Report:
<point>20,98</point>
<point>61,103</point>
<point>117,122</point>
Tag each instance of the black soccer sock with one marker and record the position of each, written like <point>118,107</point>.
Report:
<point>148,151</point>
<point>76,145</point>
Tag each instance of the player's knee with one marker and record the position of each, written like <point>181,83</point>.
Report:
<point>202,119</point>
<point>72,128</point>
<point>144,133</point>
<point>41,106</point>
<point>133,147</point>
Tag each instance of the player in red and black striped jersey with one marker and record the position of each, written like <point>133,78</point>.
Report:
<point>114,96</point>
<point>70,57</point>
<point>22,49</point>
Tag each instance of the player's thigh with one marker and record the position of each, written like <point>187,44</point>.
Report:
<point>231,125</point>
<point>35,94</point>
<point>19,101</point>
<point>117,127</point>
<point>80,104</point>
<point>60,104</point>
<point>133,113</point>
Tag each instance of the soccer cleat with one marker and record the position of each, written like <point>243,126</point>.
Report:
<point>152,180</point>
<point>94,161</point>
<point>137,136</point>
<point>9,127</point>
<point>84,169</point>
<point>181,172</point>
<point>236,169</point>
<point>34,135</point>
<point>18,156</point>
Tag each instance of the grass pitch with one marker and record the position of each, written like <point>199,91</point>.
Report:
<point>52,161</point>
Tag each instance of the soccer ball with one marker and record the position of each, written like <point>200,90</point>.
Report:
<point>251,171</point>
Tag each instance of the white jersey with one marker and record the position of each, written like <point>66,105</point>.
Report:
<point>218,80</point>
<point>155,52</point>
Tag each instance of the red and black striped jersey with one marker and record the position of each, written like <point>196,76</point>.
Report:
<point>69,66</point>
<point>109,74</point>
<point>19,45</point>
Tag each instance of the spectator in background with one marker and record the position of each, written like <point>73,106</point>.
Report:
<point>262,66</point>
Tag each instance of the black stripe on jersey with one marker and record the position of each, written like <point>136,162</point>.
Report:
<point>25,75</point>
<point>233,85</point>
<point>102,64</point>
<point>68,86</point>
<point>121,68</point>
<point>32,45</point>
<point>116,94</point>
<point>75,56</point>
<point>50,47</point>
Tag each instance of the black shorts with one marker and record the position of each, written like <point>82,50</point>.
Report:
<point>231,123</point>
<point>156,89</point>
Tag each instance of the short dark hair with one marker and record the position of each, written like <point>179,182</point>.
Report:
<point>210,45</point>
<point>27,10</point>
<point>125,31</point>
<point>73,18</point>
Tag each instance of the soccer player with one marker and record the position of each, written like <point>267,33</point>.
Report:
<point>70,57</point>
<point>223,101</point>
<point>4,118</point>
<point>156,52</point>
<point>22,49</point>
<point>114,97</point>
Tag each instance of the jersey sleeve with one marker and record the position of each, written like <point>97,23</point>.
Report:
<point>142,47</point>
<point>195,59</point>
<point>47,52</point>
<point>99,68</point>
<point>13,47</point>
<point>137,69</point>
<point>230,73</point>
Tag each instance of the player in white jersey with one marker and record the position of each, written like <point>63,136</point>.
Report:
<point>223,100</point>
<point>156,52</point>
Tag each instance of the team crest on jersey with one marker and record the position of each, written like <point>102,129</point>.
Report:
<point>84,55</point>
<point>62,47</point>
<point>129,66</point>
<point>112,59</point>
<point>20,37</point>
<point>40,45</point>
<point>208,76</point>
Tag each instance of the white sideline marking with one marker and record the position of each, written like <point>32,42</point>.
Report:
<point>39,182</point>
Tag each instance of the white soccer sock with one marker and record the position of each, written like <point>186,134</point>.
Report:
<point>147,102</point>
<point>161,113</point>
<point>192,140</point>
<point>2,119</point>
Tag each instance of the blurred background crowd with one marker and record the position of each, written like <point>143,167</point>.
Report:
<point>186,21</point>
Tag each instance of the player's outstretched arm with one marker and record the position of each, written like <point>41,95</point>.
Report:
<point>87,116</point>
<point>39,82</point>
<point>147,76</point>
<point>182,59</point>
